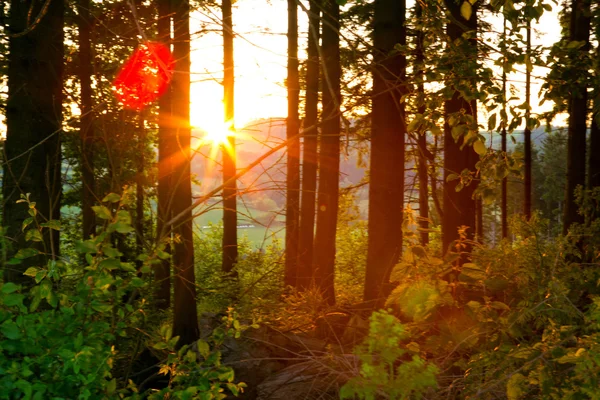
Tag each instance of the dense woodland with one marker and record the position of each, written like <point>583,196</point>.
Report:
<point>463,264</point>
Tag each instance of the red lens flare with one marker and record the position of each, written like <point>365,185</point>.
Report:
<point>145,76</point>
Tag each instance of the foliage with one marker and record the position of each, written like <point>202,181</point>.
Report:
<point>195,371</point>
<point>389,367</point>
<point>60,337</point>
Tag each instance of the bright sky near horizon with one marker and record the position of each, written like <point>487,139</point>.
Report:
<point>260,51</point>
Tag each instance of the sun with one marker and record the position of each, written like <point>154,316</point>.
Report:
<point>217,134</point>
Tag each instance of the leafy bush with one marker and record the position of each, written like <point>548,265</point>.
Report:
<point>389,367</point>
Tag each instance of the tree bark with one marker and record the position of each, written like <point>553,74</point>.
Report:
<point>527,147</point>
<point>185,318</point>
<point>388,131</point>
<point>87,119</point>
<point>32,158</point>
<point>309,154</point>
<point>504,189</point>
<point>459,206</point>
<point>329,155</point>
<point>422,138</point>
<point>577,125</point>
<point>166,142</point>
<point>230,249</point>
<point>293,153</point>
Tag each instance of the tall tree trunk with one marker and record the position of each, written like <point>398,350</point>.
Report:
<point>185,318</point>
<point>292,205</point>
<point>594,160</point>
<point>459,206</point>
<point>422,138</point>
<point>162,271</point>
<point>32,159</point>
<point>139,187</point>
<point>576,142</point>
<point>309,154</point>
<point>87,118</point>
<point>230,249</point>
<point>527,161</point>
<point>329,154</point>
<point>504,194</point>
<point>388,131</point>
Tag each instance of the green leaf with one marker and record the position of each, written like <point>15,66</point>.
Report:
<point>111,198</point>
<point>122,227</point>
<point>31,271</point>
<point>85,246</point>
<point>26,253</point>
<point>10,287</point>
<point>26,223</point>
<point>479,148</point>
<point>471,271</point>
<point>160,346</point>
<point>102,212</point>
<point>14,299</point>
<point>33,235</point>
<point>203,348</point>
<point>466,10</point>
<point>124,217</point>
<point>10,330</point>
<point>498,305</point>
<point>52,224</point>
<point>110,264</point>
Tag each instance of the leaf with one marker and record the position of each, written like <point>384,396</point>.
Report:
<point>124,217</point>
<point>498,305</point>
<point>111,198</point>
<point>419,251</point>
<point>84,247</point>
<point>26,223</point>
<point>466,10</point>
<point>33,235</point>
<point>31,271</point>
<point>479,148</point>
<point>26,253</point>
<point>492,122</point>
<point>122,227</point>
<point>160,346</point>
<point>110,264</point>
<point>10,330</point>
<point>14,299</point>
<point>52,224</point>
<point>10,287</point>
<point>471,271</point>
<point>203,348</point>
<point>102,212</point>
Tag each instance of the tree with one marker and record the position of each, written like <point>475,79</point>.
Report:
<point>162,271</point>
<point>579,30</point>
<point>230,249</point>
<point>87,118</point>
<point>388,131</point>
<point>309,153</point>
<point>293,154</point>
<point>329,154</point>
<point>34,123</point>
<point>504,185</point>
<point>423,153</point>
<point>460,110</point>
<point>185,316</point>
<point>527,134</point>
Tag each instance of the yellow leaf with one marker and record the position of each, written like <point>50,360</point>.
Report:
<point>466,10</point>
<point>479,147</point>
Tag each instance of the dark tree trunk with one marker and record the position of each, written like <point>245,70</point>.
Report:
<point>139,187</point>
<point>87,119</point>
<point>504,194</point>
<point>309,154</point>
<point>527,160</point>
<point>594,159</point>
<point>388,131</point>
<point>185,318</point>
<point>230,249</point>
<point>576,142</point>
<point>292,205</point>
<point>422,138</point>
<point>162,271</point>
<point>459,206</point>
<point>32,158</point>
<point>329,154</point>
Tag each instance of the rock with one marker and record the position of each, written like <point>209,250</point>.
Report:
<point>316,378</point>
